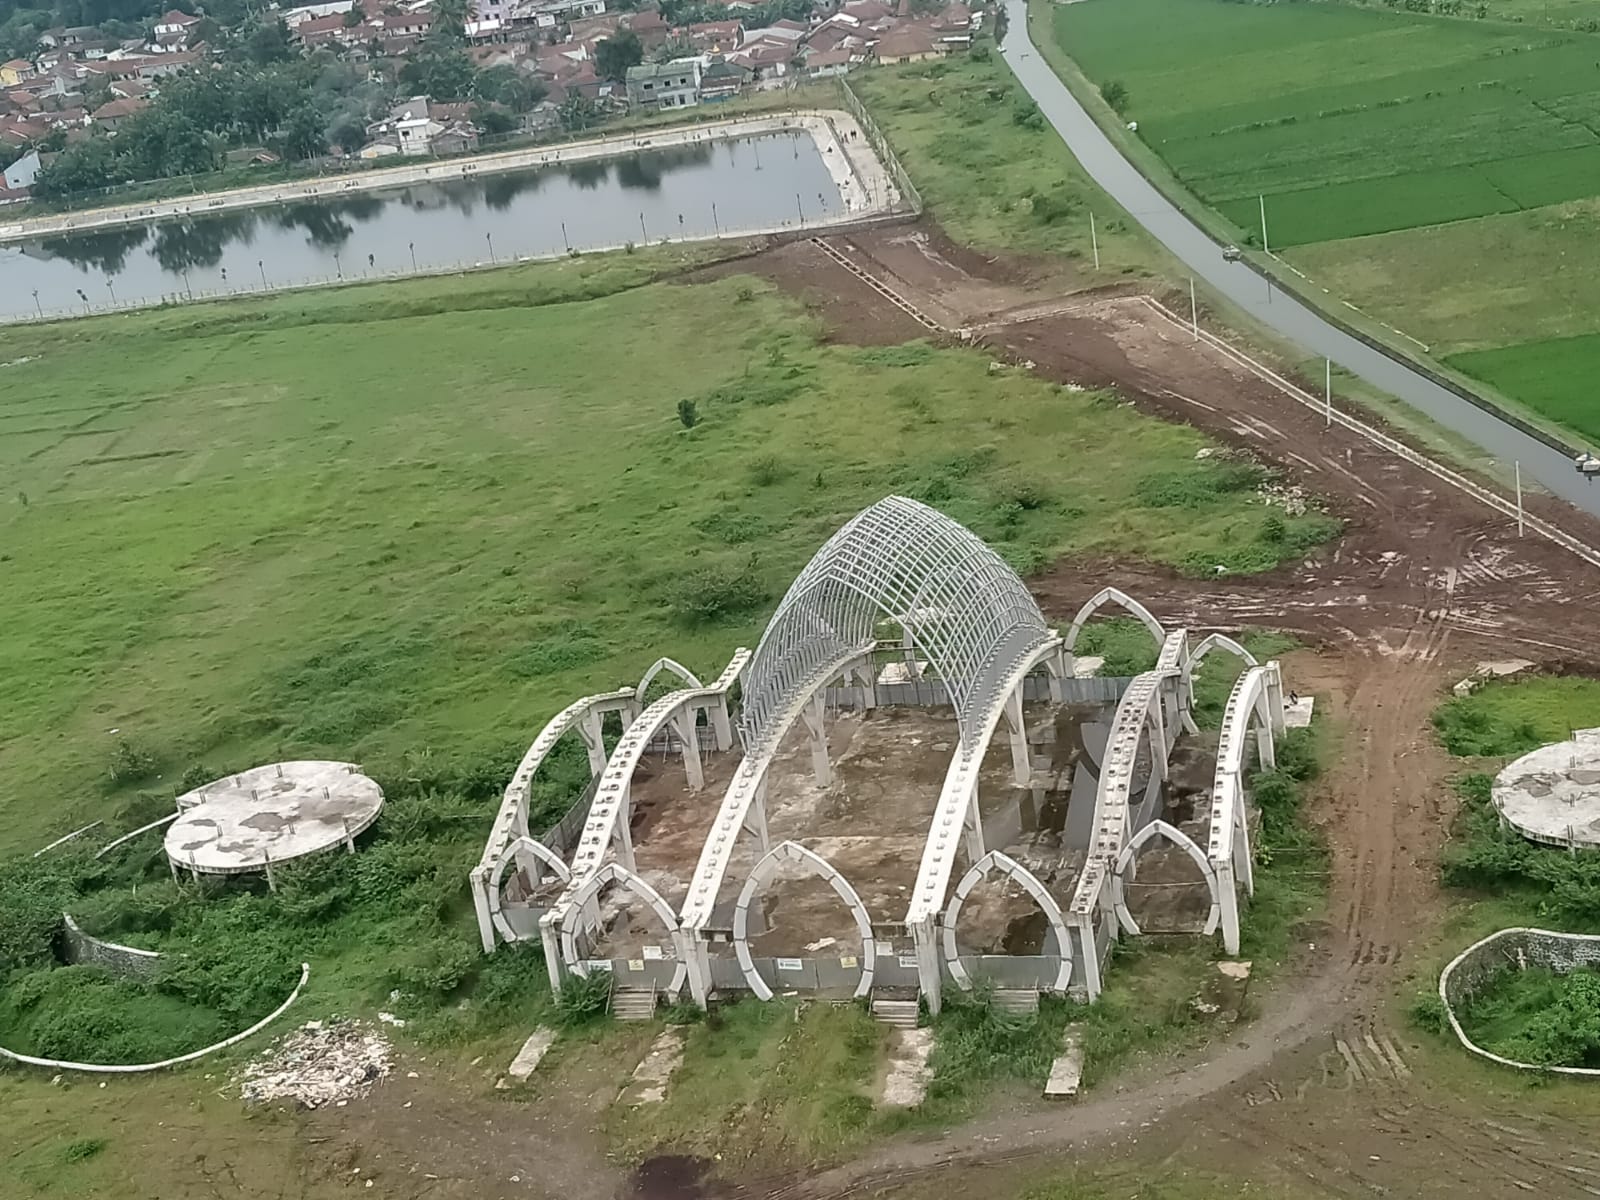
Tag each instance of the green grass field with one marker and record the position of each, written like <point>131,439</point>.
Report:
<point>1350,121</point>
<point>413,520</point>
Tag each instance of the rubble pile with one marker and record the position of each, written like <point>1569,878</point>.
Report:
<point>1290,497</point>
<point>322,1062</point>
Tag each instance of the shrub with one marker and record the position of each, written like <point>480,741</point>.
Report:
<point>688,413</point>
<point>716,593</point>
<point>767,470</point>
<point>1026,114</point>
<point>1470,730</point>
<point>81,1149</point>
<point>1115,94</point>
<point>583,998</point>
<point>566,647</point>
<point>1193,487</point>
<point>131,763</point>
<point>1427,1012</point>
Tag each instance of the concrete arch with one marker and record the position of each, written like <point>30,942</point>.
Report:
<point>996,861</point>
<point>521,845</point>
<point>1219,641</point>
<point>589,889</point>
<point>761,875</point>
<point>1171,833</point>
<point>664,664</point>
<point>1256,702</point>
<point>1098,601</point>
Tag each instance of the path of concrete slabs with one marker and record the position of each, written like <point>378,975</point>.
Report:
<point>1552,795</point>
<point>266,816</point>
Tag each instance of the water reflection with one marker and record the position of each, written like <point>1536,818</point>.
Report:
<point>687,191</point>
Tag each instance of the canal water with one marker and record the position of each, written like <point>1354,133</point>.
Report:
<point>694,191</point>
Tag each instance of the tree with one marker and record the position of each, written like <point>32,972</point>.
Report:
<point>268,43</point>
<point>439,72</point>
<point>87,166</point>
<point>302,134</point>
<point>617,53</point>
<point>493,121</point>
<point>510,87</point>
<point>450,19</point>
<point>353,17</point>
<point>578,113</point>
<point>1114,93</point>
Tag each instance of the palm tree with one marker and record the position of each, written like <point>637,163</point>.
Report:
<point>450,18</point>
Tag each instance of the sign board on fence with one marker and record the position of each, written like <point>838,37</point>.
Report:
<point>654,953</point>
<point>636,964</point>
<point>788,964</point>
<point>598,964</point>
<point>848,962</point>
<point>909,961</point>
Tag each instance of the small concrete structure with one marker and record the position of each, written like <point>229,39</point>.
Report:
<point>1486,671</point>
<point>907,1079</point>
<point>269,815</point>
<point>1552,795</point>
<point>532,1053</point>
<point>1066,1073</point>
<point>655,1070</point>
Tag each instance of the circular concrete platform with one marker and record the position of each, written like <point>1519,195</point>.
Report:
<point>1552,795</point>
<point>274,813</point>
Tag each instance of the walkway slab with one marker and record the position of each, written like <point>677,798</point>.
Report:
<point>907,1080</point>
<point>655,1070</point>
<point>1066,1073</point>
<point>532,1053</point>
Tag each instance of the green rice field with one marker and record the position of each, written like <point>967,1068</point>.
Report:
<point>1349,121</point>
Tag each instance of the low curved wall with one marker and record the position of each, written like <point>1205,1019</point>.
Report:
<point>1514,949</point>
<point>122,960</point>
<point>140,1068</point>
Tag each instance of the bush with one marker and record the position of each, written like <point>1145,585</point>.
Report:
<point>1026,114</point>
<point>1194,487</point>
<point>1115,94</point>
<point>1470,730</point>
<point>131,763</point>
<point>716,593</point>
<point>583,999</point>
<point>767,470</point>
<point>1427,1012</point>
<point>688,413</point>
<point>570,645</point>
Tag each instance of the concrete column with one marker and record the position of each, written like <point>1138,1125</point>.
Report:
<point>1228,901</point>
<point>1087,954</point>
<point>1275,698</point>
<point>695,955</point>
<point>869,684</point>
<point>974,823</point>
<point>1243,867</point>
<point>554,965</point>
<point>1158,742</point>
<point>689,734</point>
<point>1060,671</point>
<point>722,723</point>
<point>480,902</point>
<point>929,980</point>
<point>624,835</point>
<point>756,816</point>
<point>1266,744</point>
<point>590,729</point>
<point>1021,764</point>
<point>532,864</point>
<point>815,714</point>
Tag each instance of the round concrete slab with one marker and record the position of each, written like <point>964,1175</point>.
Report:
<point>278,812</point>
<point>1552,795</point>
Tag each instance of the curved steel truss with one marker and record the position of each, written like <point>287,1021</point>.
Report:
<point>961,606</point>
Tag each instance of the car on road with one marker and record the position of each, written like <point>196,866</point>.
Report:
<point>1231,254</point>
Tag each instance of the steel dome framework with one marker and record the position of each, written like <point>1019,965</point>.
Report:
<point>960,604</point>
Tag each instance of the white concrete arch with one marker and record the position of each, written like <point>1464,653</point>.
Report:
<point>996,861</point>
<point>1161,830</point>
<point>607,825</point>
<point>664,664</point>
<point>1256,704</point>
<point>519,847</point>
<point>956,816</point>
<point>511,822</point>
<point>589,889</point>
<point>1120,598</point>
<point>761,875</point>
<point>1219,641</point>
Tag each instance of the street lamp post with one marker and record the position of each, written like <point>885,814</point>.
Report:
<point>413,247</point>
<point>337,265</point>
<point>261,265</point>
<point>489,237</point>
<point>36,303</point>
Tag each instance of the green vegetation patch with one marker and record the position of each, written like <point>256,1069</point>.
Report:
<point>1555,378</point>
<point>1349,120</point>
<point>354,545</point>
<point>1505,718</point>
<point>988,165</point>
<point>1537,1016</point>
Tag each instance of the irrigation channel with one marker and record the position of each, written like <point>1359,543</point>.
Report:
<point>1264,300</point>
<point>704,189</point>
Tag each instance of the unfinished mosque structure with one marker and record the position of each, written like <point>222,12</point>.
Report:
<point>912,784</point>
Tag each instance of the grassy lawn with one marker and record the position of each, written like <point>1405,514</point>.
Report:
<point>990,169</point>
<point>407,522</point>
<point>1349,121</point>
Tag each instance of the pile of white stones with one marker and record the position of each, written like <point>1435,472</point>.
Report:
<point>321,1063</point>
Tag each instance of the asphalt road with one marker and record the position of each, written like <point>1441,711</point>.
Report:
<point>1268,304</point>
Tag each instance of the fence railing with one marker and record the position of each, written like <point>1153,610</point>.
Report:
<point>880,145</point>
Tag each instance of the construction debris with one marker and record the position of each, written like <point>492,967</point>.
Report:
<point>321,1063</point>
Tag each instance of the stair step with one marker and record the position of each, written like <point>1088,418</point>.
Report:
<point>1022,1001</point>
<point>902,1014</point>
<point>633,1004</point>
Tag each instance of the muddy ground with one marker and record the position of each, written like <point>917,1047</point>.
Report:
<point>1324,1090</point>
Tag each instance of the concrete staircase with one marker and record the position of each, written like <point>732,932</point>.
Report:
<point>901,1014</point>
<point>634,1004</point>
<point>1021,1002</point>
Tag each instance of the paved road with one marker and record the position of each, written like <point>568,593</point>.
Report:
<point>1266,303</point>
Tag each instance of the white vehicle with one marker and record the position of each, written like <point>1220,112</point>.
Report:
<point>1231,254</point>
<point>1588,464</point>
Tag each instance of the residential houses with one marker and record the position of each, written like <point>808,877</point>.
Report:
<point>655,86</point>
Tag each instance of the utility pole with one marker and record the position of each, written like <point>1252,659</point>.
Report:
<point>1519,500</point>
<point>1194,311</point>
<point>1094,240</point>
<point>1327,389</point>
<point>1266,248</point>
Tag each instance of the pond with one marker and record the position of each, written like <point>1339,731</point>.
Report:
<point>700,190</point>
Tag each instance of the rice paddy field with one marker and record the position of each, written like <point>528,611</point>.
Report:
<point>1438,172</point>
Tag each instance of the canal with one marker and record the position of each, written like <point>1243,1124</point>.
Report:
<point>701,190</point>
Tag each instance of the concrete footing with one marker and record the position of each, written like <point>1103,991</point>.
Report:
<point>1066,1073</point>
<point>532,1053</point>
<point>907,1079</point>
